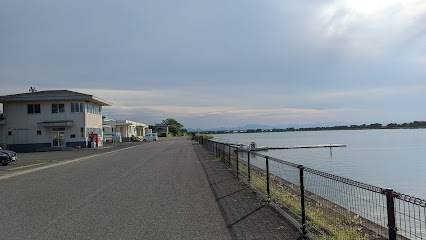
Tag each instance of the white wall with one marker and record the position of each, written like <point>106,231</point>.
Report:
<point>24,125</point>
<point>136,129</point>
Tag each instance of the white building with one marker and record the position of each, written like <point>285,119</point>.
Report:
<point>53,118</point>
<point>126,128</point>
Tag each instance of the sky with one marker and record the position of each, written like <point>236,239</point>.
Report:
<point>213,64</point>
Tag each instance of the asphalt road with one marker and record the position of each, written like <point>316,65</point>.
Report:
<point>147,191</point>
<point>37,159</point>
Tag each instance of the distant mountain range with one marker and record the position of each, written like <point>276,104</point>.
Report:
<point>264,127</point>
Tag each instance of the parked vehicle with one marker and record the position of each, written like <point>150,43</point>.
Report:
<point>150,137</point>
<point>7,156</point>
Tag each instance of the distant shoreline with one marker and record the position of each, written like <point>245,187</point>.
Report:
<point>411,125</point>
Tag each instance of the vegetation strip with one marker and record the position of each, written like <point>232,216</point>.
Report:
<point>325,219</point>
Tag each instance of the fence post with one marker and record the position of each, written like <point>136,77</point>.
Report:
<point>268,192</point>
<point>248,165</point>
<point>223,152</point>
<point>302,198</point>
<point>238,172</point>
<point>391,213</point>
<point>229,156</point>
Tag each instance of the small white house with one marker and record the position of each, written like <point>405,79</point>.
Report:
<point>126,128</point>
<point>52,118</point>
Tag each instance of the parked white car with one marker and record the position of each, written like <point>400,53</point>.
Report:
<point>150,137</point>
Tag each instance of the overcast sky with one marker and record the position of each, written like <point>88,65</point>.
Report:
<point>224,63</point>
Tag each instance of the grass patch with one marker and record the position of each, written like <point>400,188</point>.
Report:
<point>204,136</point>
<point>323,220</point>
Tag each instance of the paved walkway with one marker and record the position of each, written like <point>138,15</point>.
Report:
<point>246,215</point>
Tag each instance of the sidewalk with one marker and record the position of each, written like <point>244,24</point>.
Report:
<point>246,215</point>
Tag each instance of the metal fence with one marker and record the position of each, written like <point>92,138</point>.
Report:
<point>322,205</point>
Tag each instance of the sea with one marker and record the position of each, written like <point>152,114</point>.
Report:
<point>387,158</point>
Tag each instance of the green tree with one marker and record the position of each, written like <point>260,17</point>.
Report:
<point>174,126</point>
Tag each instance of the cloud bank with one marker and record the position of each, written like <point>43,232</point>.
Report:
<point>224,63</point>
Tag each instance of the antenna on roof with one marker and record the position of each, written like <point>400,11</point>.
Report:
<point>32,89</point>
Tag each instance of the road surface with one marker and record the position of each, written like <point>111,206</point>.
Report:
<point>170,189</point>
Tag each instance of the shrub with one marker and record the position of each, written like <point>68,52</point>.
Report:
<point>134,139</point>
<point>204,136</point>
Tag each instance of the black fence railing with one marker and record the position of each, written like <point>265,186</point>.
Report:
<point>322,205</point>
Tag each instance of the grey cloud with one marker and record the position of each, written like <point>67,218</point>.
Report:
<point>217,52</point>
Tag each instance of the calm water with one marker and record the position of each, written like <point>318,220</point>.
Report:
<point>384,158</point>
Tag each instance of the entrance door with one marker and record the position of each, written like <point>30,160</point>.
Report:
<point>58,139</point>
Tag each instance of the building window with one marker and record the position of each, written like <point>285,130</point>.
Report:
<point>72,136</point>
<point>90,108</point>
<point>82,132</point>
<point>9,133</point>
<point>38,132</point>
<point>77,107</point>
<point>58,108</point>
<point>33,108</point>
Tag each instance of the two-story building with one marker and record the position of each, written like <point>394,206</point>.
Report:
<point>52,118</point>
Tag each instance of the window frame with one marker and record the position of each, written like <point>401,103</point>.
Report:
<point>77,107</point>
<point>58,107</point>
<point>33,108</point>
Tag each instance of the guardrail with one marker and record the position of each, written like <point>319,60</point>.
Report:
<point>322,205</point>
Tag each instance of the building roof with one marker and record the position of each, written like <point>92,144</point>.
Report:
<point>49,95</point>
<point>123,123</point>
